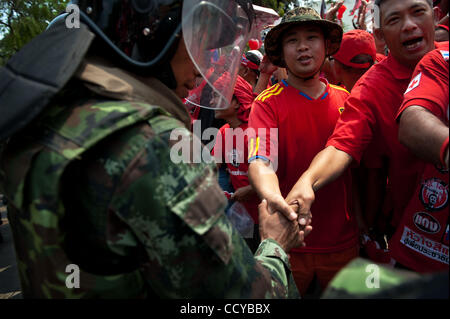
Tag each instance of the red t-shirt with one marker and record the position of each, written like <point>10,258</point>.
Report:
<point>304,125</point>
<point>421,242</point>
<point>369,116</point>
<point>231,148</point>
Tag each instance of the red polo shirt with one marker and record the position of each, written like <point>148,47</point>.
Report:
<point>304,125</point>
<point>369,116</point>
<point>421,242</point>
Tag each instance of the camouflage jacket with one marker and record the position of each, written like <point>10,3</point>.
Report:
<point>91,183</point>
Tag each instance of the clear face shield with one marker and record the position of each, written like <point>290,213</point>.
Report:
<point>215,33</point>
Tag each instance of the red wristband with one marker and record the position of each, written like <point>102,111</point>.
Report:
<point>444,147</point>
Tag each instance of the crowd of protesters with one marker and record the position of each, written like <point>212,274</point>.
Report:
<point>374,191</point>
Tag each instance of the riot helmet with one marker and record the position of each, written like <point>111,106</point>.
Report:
<point>144,34</point>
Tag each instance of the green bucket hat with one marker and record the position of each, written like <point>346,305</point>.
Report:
<point>301,16</point>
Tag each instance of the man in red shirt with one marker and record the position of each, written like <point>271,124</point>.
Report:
<point>407,28</point>
<point>356,55</point>
<point>421,240</point>
<point>304,108</point>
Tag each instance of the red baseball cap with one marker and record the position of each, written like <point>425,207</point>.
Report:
<point>353,43</point>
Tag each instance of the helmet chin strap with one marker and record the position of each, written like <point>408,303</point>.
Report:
<point>165,74</point>
<point>163,71</point>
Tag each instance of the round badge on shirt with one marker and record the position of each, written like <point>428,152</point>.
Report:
<point>434,194</point>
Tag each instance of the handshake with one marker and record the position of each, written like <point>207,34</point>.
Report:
<point>287,222</point>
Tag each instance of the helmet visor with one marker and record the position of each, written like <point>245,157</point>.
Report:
<point>215,33</point>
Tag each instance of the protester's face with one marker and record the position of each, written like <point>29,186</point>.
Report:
<point>303,50</point>
<point>242,70</point>
<point>408,29</point>
<point>184,71</point>
<point>347,76</point>
<point>245,72</point>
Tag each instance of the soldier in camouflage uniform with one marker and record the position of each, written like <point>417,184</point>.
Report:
<point>88,174</point>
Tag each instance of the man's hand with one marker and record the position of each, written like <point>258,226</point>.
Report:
<point>277,227</point>
<point>266,66</point>
<point>325,167</point>
<point>243,194</point>
<point>331,13</point>
<point>301,197</point>
<point>277,204</point>
<point>362,15</point>
<point>304,219</point>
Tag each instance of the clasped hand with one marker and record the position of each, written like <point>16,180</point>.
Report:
<point>285,221</point>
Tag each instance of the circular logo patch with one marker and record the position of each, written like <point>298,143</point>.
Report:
<point>434,194</point>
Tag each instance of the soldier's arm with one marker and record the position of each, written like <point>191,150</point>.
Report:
<point>175,210</point>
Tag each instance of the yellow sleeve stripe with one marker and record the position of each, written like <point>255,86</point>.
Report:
<point>339,88</point>
<point>272,94</point>
<point>253,153</point>
<point>267,91</point>
<point>251,142</point>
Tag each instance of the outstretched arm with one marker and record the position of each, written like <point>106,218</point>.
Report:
<point>265,182</point>
<point>326,166</point>
<point>424,134</point>
<point>331,13</point>
<point>266,70</point>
